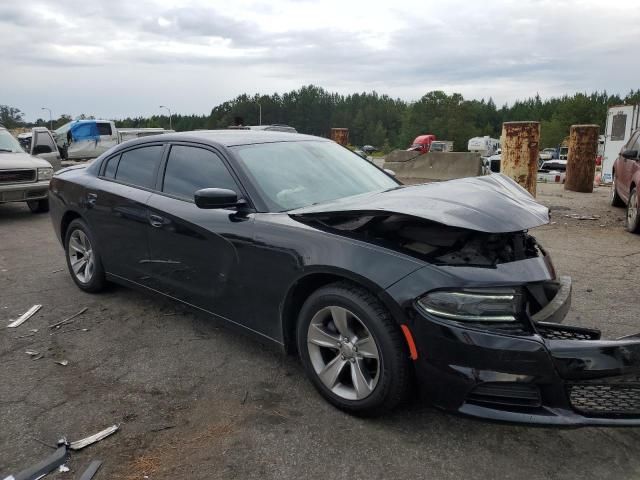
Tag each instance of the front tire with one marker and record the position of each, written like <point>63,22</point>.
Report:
<point>353,352</point>
<point>614,198</point>
<point>83,259</point>
<point>38,206</point>
<point>633,213</point>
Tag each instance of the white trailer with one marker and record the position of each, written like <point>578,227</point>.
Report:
<point>485,146</point>
<point>622,121</point>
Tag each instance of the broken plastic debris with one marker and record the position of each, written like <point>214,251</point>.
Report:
<point>63,468</point>
<point>64,363</point>
<point>40,469</point>
<point>68,319</point>
<point>79,444</point>
<point>91,470</point>
<point>24,317</point>
<point>32,353</point>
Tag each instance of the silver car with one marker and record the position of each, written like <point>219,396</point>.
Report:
<point>23,178</point>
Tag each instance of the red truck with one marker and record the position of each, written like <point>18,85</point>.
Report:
<point>422,143</point>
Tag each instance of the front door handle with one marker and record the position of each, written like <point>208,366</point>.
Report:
<point>156,220</point>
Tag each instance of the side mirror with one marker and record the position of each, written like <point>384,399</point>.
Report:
<point>215,198</point>
<point>630,154</point>
<point>388,171</point>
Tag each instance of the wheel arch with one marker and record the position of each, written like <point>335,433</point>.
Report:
<point>311,281</point>
<point>68,217</point>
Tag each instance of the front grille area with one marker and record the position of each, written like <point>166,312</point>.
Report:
<point>17,176</point>
<point>506,394</point>
<point>606,399</point>
<point>552,331</point>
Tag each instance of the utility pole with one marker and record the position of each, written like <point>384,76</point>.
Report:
<point>169,110</point>
<point>259,114</point>
<point>50,117</point>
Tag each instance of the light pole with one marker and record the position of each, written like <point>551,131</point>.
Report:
<point>50,118</point>
<point>169,110</point>
<point>259,114</point>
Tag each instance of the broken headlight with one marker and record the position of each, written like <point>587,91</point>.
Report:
<point>474,305</point>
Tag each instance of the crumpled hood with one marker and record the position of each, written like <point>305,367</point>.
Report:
<point>9,161</point>
<point>491,203</point>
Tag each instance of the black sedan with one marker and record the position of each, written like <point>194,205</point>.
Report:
<point>375,285</point>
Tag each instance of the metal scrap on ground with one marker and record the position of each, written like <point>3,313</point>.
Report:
<point>40,469</point>
<point>68,319</point>
<point>24,317</point>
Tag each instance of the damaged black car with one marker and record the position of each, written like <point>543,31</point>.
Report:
<point>377,286</point>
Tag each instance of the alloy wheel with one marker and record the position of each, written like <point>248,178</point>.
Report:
<point>343,353</point>
<point>81,256</point>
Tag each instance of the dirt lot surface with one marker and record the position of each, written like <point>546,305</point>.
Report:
<point>197,401</point>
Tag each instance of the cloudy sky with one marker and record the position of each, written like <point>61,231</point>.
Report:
<point>121,58</point>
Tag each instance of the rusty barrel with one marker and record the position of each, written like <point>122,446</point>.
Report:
<point>581,160</point>
<point>340,135</point>
<point>519,143</point>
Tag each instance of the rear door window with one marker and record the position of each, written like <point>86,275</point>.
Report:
<point>190,169</point>
<point>139,167</point>
<point>104,128</point>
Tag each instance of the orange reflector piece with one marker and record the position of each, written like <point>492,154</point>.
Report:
<point>413,351</point>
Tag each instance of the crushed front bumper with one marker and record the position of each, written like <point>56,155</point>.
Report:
<point>552,374</point>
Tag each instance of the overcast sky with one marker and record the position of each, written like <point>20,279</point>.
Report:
<point>122,58</point>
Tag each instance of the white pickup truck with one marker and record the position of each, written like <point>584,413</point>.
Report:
<point>87,139</point>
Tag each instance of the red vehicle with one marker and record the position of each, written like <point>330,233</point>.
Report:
<point>626,182</point>
<point>422,143</point>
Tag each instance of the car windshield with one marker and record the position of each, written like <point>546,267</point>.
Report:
<point>8,143</point>
<point>297,174</point>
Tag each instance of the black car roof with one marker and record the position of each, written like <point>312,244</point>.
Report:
<point>230,138</point>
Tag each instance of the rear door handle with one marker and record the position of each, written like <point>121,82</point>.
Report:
<point>156,220</point>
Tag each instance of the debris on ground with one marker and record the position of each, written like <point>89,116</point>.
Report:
<point>25,316</point>
<point>576,216</point>
<point>63,468</point>
<point>96,437</point>
<point>70,330</point>
<point>64,363</point>
<point>42,468</point>
<point>91,470</point>
<point>68,319</point>
<point>32,353</point>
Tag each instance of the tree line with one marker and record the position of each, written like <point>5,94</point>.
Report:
<point>381,120</point>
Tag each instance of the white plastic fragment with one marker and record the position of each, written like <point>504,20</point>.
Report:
<point>31,353</point>
<point>64,363</point>
<point>79,444</point>
<point>24,317</point>
<point>63,468</point>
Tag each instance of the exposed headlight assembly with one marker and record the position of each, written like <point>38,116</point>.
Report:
<point>474,305</point>
<point>45,173</point>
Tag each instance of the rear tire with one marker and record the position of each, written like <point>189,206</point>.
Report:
<point>353,352</point>
<point>614,198</point>
<point>38,206</point>
<point>633,213</point>
<point>83,259</point>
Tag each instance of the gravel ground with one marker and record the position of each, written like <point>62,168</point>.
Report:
<point>198,401</point>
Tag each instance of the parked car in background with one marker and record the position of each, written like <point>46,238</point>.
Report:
<point>548,154</point>
<point>493,162</point>
<point>552,171</point>
<point>299,242</point>
<point>23,177</point>
<point>626,182</point>
<point>40,143</point>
